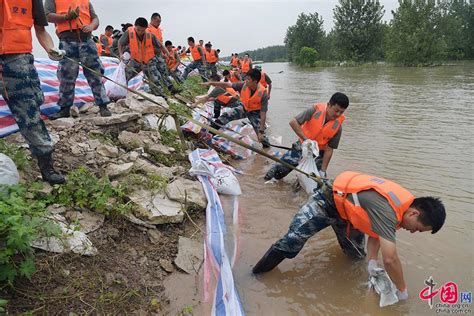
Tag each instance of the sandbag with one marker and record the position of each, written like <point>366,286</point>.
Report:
<point>115,91</point>
<point>308,164</point>
<point>222,178</point>
<point>8,171</point>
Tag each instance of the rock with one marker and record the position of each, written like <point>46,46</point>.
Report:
<point>136,140</point>
<point>115,279</point>
<point>74,111</point>
<point>192,191</point>
<point>93,144</point>
<point>88,221</point>
<point>117,109</point>
<point>150,122</point>
<point>167,265</point>
<point>64,122</point>
<point>158,149</point>
<point>46,189</point>
<point>143,261</point>
<point>149,168</point>
<point>190,255</point>
<point>107,151</point>
<point>138,221</point>
<point>179,170</point>
<point>169,123</point>
<point>76,150</point>
<point>156,209</point>
<point>133,156</point>
<point>114,119</point>
<point>122,103</point>
<point>70,240</point>
<point>85,107</point>
<point>56,209</point>
<point>138,104</point>
<point>115,170</point>
<point>155,236</point>
<point>55,138</point>
<point>113,233</point>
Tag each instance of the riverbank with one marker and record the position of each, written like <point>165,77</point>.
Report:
<point>121,171</point>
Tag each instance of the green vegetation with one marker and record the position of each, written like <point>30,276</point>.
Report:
<point>268,54</point>
<point>192,87</point>
<point>22,220</point>
<point>420,33</point>
<point>84,190</point>
<point>17,154</point>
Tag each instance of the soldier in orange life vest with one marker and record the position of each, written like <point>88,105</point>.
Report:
<point>245,65</point>
<point>19,82</point>
<point>144,46</point>
<point>321,123</point>
<point>106,41</point>
<point>231,76</point>
<point>235,61</point>
<point>254,104</point>
<point>266,81</point>
<point>212,57</point>
<point>75,20</point>
<point>199,60</point>
<point>356,205</point>
<point>173,62</point>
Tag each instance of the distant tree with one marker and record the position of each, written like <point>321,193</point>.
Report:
<point>307,32</point>
<point>268,54</point>
<point>358,30</point>
<point>307,56</point>
<point>415,36</point>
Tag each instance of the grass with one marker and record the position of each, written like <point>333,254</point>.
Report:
<point>192,87</point>
<point>17,154</point>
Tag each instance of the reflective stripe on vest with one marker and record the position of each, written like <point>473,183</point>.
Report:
<point>141,51</point>
<point>245,66</point>
<point>226,97</point>
<point>211,56</point>
<point>316,130</point>
<point>62,7</point>
<point>350,182</point>
<point>195,53</point>
<point>15,29</point>
<point>109,44</point>
<point>254,102</point>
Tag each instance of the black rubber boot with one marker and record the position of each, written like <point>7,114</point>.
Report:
<point>45,163</point>
<point>64,112</point>
<point>269,261</point>
<point>104,111</point>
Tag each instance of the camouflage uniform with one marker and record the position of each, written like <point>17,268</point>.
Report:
<point>212,68</point>
<point>86,53</point>
<point>151,71</point>
<point>292,157</point>
<point>163,69</point>
<point>238,112</point>
<point>195,64</point>
<point>318,213</point>
<point>21,90</point>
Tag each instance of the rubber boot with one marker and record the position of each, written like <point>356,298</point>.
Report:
<point>104,111</point>
<point>64,112</point>
<point>269,261</point>
<point>45,164</point>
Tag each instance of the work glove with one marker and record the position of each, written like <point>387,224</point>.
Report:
<point>323,174</point>
<point>56,54</point>
<point>372,266</point>
<point>402,296</point>
<point>72,14</point>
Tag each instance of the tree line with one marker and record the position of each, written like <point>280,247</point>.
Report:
<point>268,54</point>
<point>422,32</point>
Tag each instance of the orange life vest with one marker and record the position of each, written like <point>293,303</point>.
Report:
<point>263,80</point>
<point>157,31</point>
<point>233,78</point>
<point>172,61</point>
<point>245,65</point>
<point>211,56</point>
<point>316,130</point>
<point>99,48</point>
<point>62,7</point>
<point>15,27</point>
<point>141,51</point>
<point>195,52</point>
<point>350,182</point>
<point>254,102</point>
<point>227,96</point>
<point>109,42</point>
<point>234,61</point>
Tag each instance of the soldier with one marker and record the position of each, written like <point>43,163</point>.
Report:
<point>19,82</point>
<point>106,41</point>
<point>199,60</point>
<point>173,62</point>
<point>212,57</point>
<point>75,20</point>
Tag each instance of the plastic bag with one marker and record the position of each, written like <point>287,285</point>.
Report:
<point>115,91</point>
<point>308,164</point>
<point>381,283</point>
<point>8,171</point>
<point>223,179</point>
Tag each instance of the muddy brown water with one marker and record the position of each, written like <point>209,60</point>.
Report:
<point>410,125</point>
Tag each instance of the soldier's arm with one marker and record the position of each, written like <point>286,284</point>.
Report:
<point>392,263</point>
<point>326,158</point>
<point>297,129</point>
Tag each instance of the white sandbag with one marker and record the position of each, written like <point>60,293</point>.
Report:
<point>8,171</point>
<point>381,283</point>
<point>223,179</point>
<point>308,164</point>
<point>115,91</point>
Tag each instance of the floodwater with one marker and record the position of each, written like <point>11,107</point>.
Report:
<point>410,125</point>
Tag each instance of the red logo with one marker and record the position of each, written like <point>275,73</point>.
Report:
<point>448,293</point>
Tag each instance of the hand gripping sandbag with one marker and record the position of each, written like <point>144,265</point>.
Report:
<point>308,164</point>
<point>115,91</point>
<point>8,171</point>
